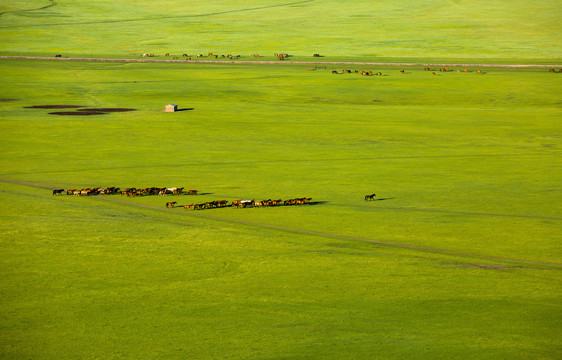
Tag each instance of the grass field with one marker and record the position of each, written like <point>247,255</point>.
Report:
<point>440,29</point>
<point>458,258</point>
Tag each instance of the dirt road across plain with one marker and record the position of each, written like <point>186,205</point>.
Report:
<point>288,62</point>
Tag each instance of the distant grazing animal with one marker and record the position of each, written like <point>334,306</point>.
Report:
<point>433,73</point>
<point>316,55</point>
<point>479,71</point>
<point>370,197</point>
<point>188,206</point>
<point>185,55</point>
<point>175,58</point>
<point>192,192</point>
<point>402,71</point>
<point>58,55</point>
<point>58,191</point>
<point>426,69</point>
<point>379,73</point>
<point>167,54</point>
<point>552,70</point>
<point>334,72</point>
<point>171,204</point>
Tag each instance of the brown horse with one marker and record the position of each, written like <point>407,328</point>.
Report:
<point>171,204</point>
<point>370,197</point>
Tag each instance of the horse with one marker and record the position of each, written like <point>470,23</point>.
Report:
<point>188,206</point>
<point>58,191</point>
<point>370,197</point>
<point>171,204</point>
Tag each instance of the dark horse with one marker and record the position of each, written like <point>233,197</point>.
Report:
<point>58,191</point>
<point>370,197</point>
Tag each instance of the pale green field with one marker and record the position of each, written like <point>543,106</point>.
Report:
<point>459,258</point>
<point>435,29</point>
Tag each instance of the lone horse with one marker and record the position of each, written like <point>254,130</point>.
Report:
<point>370,197</point>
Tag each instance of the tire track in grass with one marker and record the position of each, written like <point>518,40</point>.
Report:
<point>340,236</point>
<point>453,212</point>
<point>52,3</point>
<point>288,229</point>
<point>157,17</point>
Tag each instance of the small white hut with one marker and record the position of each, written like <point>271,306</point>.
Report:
<point>171,108</point>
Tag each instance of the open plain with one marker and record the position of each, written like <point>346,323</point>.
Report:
<point>458,256</point>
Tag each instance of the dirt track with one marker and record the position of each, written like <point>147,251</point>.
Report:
<point>288,62</point>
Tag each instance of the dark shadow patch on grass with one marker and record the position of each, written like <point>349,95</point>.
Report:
<point>7,99</point>
<point>106,110</point>
<point>79,113</point>
<point>185,109</point>
<point>54,107</point>
<point>382,199</point>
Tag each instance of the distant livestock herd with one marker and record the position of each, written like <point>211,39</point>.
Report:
<point>129,191</point>
<point>180,191</point>
<point>241,203</point>
<point>279,56</point>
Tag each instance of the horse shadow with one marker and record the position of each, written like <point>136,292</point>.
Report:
<point>185,109</point>
<point>317,203</point>
<point>382,199</point>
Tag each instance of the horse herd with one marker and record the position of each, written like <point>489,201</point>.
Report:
<point>180,191</point>
<point>128,192</point>
<point>241,203</point>
<point>370,73</point>
<point>279,56</point>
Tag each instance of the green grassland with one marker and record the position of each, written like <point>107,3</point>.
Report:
<point>436,29</point>
<point>466,163</point>
<point>458,258</point>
